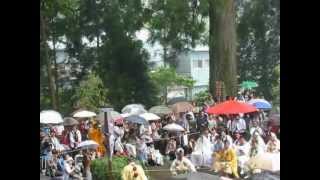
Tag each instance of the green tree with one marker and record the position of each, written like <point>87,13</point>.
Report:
<point>166,77</point>
<point>123,62</point>
<point>175,26</point>
<point>259,44</point>
<point>91,94</point>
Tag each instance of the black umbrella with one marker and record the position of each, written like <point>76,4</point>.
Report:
<point>69,121</point>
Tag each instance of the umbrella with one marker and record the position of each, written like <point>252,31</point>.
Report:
<point>182,107</point>
<point>231,107</point>
<point>149,116</point>
<point>248,84</point>
<point>260,103</point>
<point>160,110</point>
<point>136,119</point>
<point>50,117</point>
<point>133,109</point>
<point>173,127</point>
<point>266,161</point>
<point>88,144</point>
<point>84,114</point>
<point>69,121</point>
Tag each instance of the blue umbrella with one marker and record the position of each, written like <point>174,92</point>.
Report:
<point>260,103</point>
<point>136,119</point>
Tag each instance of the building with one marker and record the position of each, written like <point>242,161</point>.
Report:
<point>195,64</point>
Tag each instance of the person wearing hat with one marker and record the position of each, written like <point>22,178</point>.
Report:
<point>133,171</point>
<point>181,164</point>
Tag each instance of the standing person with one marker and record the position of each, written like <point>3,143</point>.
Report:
<point>238,125</point>
<point>184,140</point>
<point>74,137</point>
<point>181,165</point>
<point>212,122</point>
<point>96,135</point>
<point>202,121</point>
<point>55,142</point>
<point>142,150</point>
<point>171,148</point>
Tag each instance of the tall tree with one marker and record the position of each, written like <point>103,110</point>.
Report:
<point>175,25</point>
<point>123,62</point>
<point>222,45</point>
<point>259,44</point>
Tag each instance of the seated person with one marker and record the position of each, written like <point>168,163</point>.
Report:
<point>226,161</point>
<point>133,171</point>
<point>171,148</point>
<point>181,164</point>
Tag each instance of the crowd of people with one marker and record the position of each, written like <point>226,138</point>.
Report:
<point>223,143</point>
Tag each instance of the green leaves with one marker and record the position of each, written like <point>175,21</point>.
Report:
<point>91,93</point>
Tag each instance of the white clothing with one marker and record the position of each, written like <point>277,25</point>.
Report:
<point>73,142</point>
<point>59,129</point>
<point>238,125</point>
<point>258,129</point>
<point>118,146</point>
<point>202,155</point>
<point>183,165</point>
<point>242,154</point>
<point>131,150</point>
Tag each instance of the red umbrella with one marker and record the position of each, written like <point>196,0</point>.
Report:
<point>231,107</point>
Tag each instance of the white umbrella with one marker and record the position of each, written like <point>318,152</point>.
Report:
<point>173,127</point>
<point>133,109</point>
<point>90,144</point>
<point>149,116</point>
<point>84,114</point>
<point>50,117</point>
<point>266,161</point>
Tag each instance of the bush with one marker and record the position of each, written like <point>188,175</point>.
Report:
<point>99,168</point>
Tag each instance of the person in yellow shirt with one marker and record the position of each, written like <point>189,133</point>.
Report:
<point>96,135</point>
<point>226,160</point>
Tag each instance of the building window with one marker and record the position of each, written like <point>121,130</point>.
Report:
<point>199,63</point>
<point>206,63</point>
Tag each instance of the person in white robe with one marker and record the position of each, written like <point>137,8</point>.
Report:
<point>202,154</point>
<point>154,155</point>
<point>242,149</point>
<point>226,137</point>
<point>118,134</point>
<point>257,145</point>
<point>255,128</point>
<point>273,145</point>
<point>181,164</point>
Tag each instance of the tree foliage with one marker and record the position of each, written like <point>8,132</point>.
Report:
<point>259,43</point>
<point>91,94</point>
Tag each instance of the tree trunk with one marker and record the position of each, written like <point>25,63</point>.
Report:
<point>55,71</point>
<point>222,45</point>
<point>52,87</point>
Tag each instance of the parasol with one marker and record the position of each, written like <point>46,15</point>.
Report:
<point>88,144</point>
<point>173,127</point>
<point>50,117</point>
<point>84,114</point>
<point>160,110</point>
<point>69,121</point>
<point>181,107</point>
<point>260,103</point>
<point>150,116</point>
<point>133,109</point>
<point>231,107</point>
<point>136,119</point>
<point>248,84</point>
